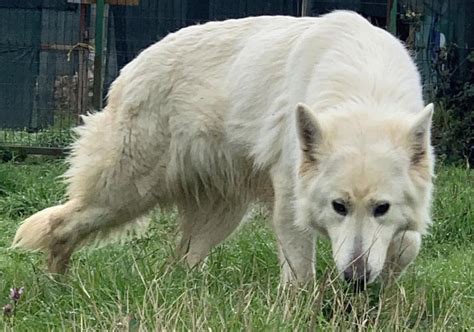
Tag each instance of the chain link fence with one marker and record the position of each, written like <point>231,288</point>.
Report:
<point>56,61</point>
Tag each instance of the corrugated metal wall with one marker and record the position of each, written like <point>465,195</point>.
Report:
<point>31,36</point>
<point>46,46</point>
<point>19,61</point>
<point>133,28</point>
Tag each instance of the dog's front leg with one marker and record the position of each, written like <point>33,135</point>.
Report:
<point>296,247</point>
<point>403,250</point>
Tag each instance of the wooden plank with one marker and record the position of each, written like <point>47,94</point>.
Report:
<point>58,152</point>
<point>83,90</point>
<point>109,2</point>
<point>61,47</point>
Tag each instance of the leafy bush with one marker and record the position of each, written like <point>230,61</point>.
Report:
<point>50,137</point>
<point>454,117</point>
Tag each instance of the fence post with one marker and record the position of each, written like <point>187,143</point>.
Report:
<point>82,76</point>
<point>99,54</point>
<point>392,16</point>
<point>305,8</point>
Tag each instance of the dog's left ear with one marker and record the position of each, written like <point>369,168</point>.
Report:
<point>309,131</point>
<point>420,135</point>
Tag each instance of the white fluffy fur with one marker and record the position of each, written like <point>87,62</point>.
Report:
<point>206,119</point>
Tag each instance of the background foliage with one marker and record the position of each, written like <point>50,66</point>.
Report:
<point>454,116</point>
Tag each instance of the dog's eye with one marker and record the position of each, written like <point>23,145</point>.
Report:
<point>339,207</point>
<point>381,209</point>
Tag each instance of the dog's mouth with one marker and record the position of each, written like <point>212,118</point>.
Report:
<point>358,274</point>
<point>358,280</point>
<point>359,285</point>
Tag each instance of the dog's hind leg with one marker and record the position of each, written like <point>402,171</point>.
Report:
<point>88,225</point>
<point>205,226</point>
<point>112,183</point>
<point>64,228</point>
<point>402,251</point>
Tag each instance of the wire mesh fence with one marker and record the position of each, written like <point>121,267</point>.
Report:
<point>51,70</point>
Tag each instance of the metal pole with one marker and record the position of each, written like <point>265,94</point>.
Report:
<point>305,8</point>
<point>392,16</point>
<point>99,54</point>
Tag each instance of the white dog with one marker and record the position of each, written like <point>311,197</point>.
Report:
<point>214,117</point>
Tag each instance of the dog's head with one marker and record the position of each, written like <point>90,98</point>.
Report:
<point>363,177</point>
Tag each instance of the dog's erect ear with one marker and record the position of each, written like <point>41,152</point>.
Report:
<point>309,131</point>
<point>420,135</point>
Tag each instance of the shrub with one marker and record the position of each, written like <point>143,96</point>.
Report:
<point>454,117</point>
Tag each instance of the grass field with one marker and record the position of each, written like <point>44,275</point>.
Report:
<point>136,286</point>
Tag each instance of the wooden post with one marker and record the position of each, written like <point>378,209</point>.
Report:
<point>99,55</point>
<point>305,8</point>
<point>82,76</point>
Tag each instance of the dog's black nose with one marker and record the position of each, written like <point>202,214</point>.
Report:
<point>358,278</point>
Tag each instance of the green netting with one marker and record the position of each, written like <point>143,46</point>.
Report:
<point>46,48</point>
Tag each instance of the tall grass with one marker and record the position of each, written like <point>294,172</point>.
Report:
<point>51,137</point>
<point>139,287</point>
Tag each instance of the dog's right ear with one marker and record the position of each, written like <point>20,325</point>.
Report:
<point>309,131</point>
<point>420,136</point>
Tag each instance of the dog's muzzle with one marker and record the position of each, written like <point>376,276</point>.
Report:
<point>357,274</point>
